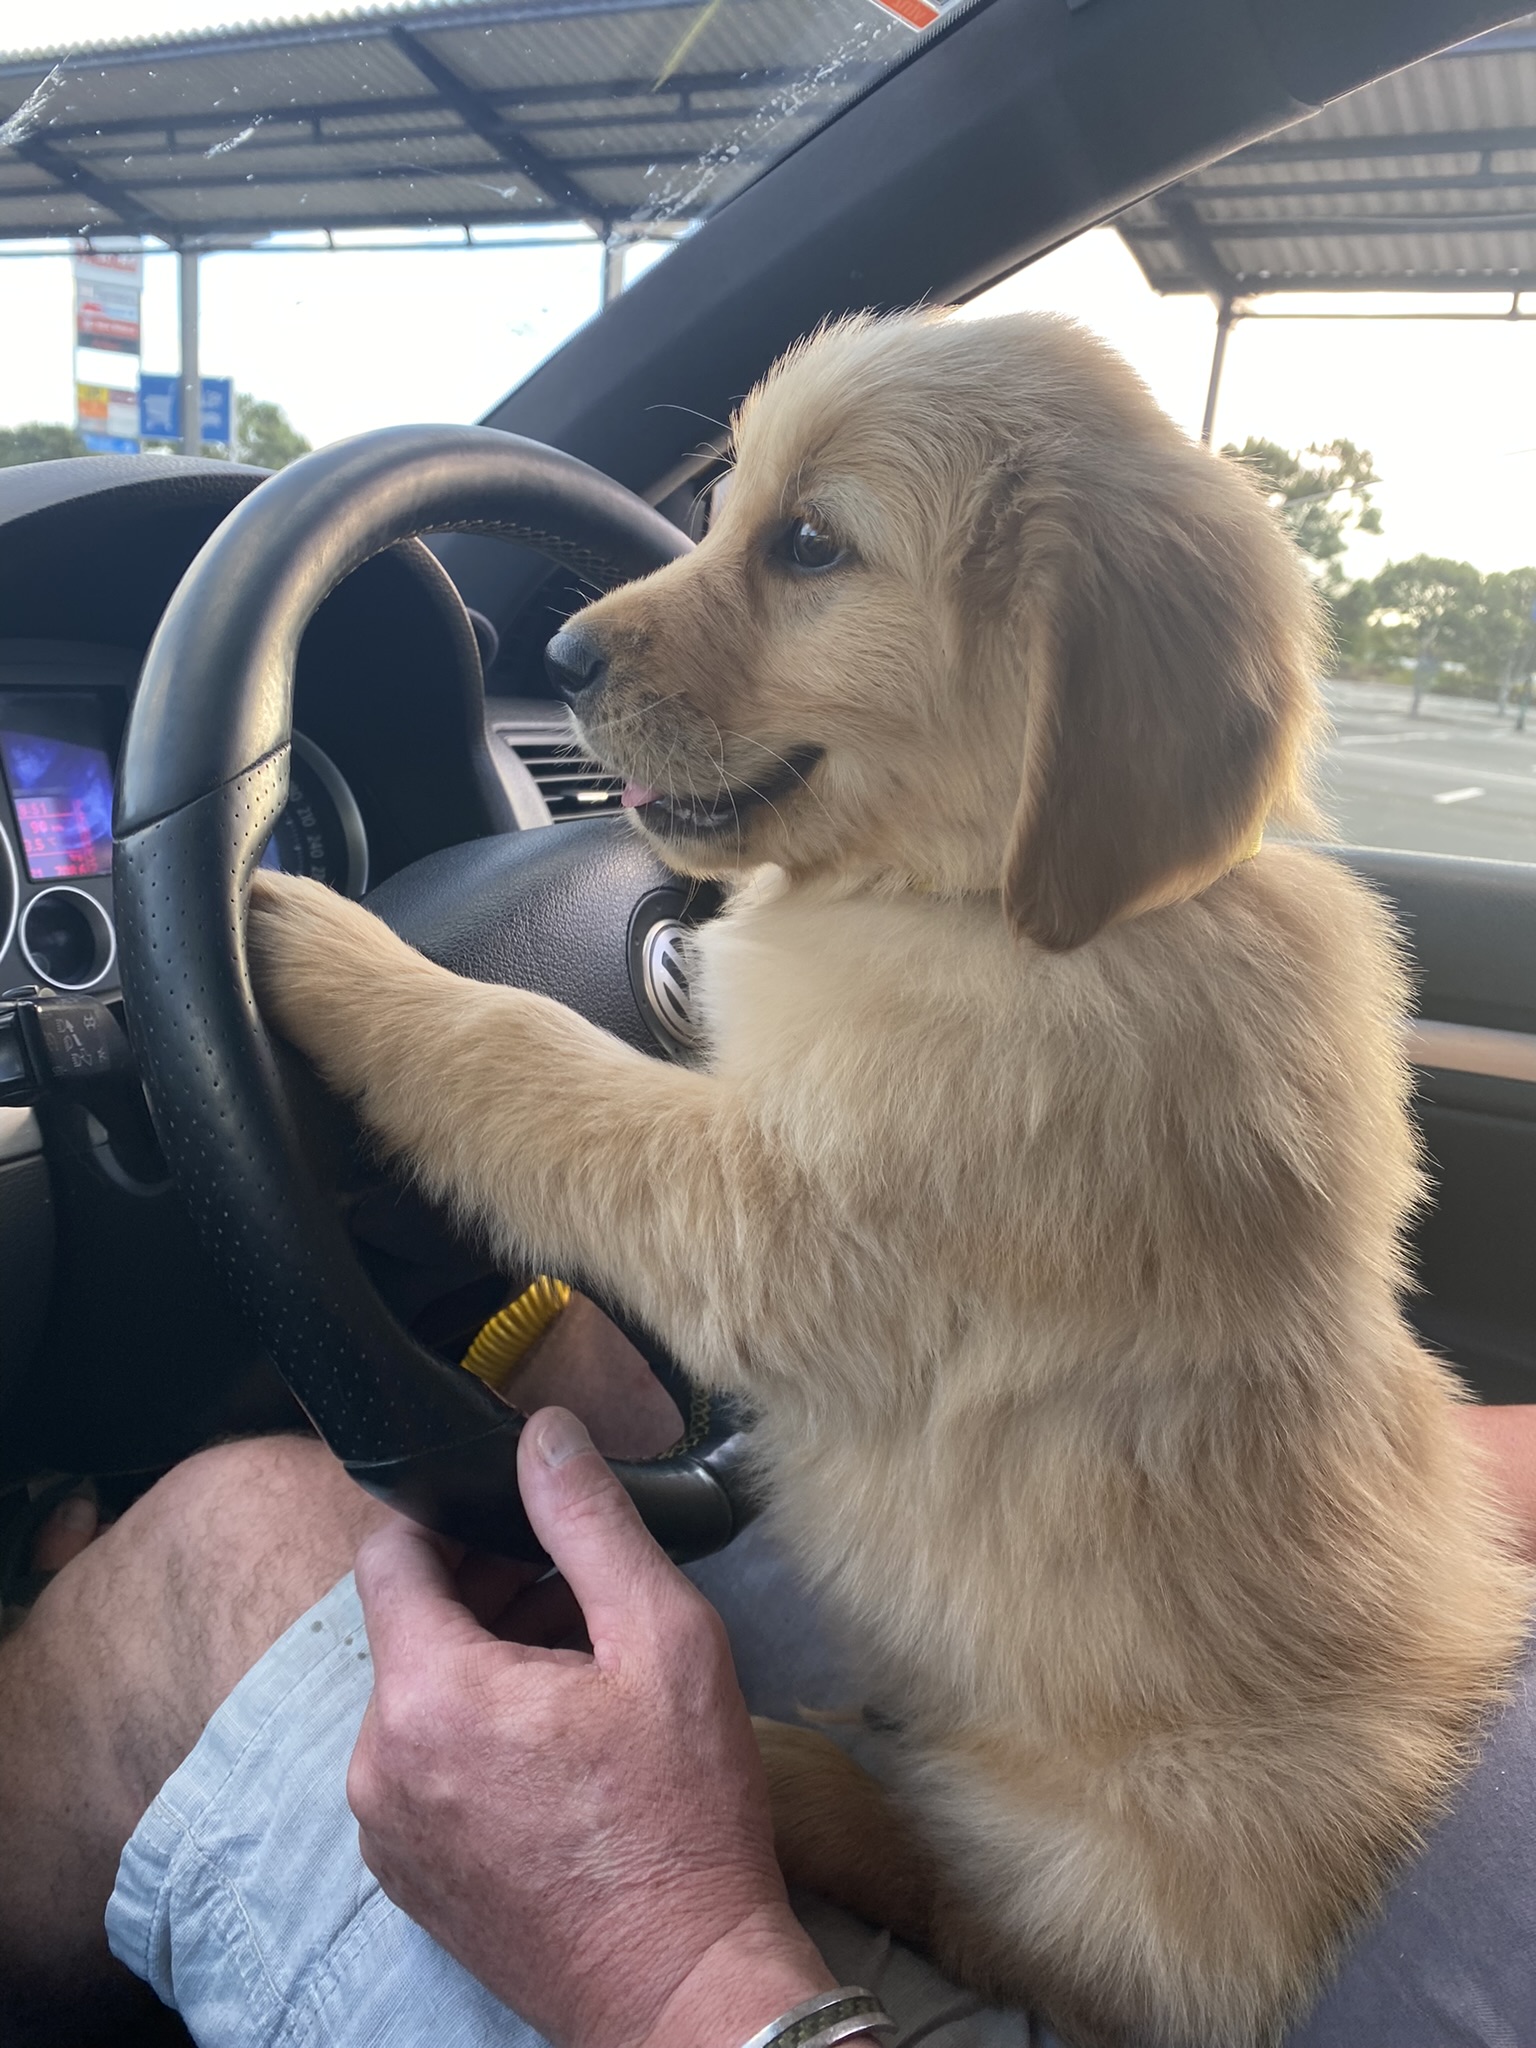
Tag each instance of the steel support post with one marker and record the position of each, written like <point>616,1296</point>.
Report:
<point>1225,315</point>
<point>191,374</point>
<point>613,269</point>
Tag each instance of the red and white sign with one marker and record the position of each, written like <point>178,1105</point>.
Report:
<point>108,287</point>
<point>915,13</point>
<point>101,410</point>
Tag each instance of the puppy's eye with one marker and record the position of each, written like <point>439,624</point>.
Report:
<point>808,545</point>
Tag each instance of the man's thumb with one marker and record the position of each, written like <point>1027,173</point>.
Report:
<point>589,1526</point>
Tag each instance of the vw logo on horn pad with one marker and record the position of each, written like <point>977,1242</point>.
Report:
<point>661,964</point>
<point>664,967</point>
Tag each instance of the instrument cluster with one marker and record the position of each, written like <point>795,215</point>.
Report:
<point>61,721</point>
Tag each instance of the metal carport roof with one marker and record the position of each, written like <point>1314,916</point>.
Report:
<point>505,111</point>
<point>478,112</point>
<point>1422,182</point>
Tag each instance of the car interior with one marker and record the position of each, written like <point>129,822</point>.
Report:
<point>428,740</point>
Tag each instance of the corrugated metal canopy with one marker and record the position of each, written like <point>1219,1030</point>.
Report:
<point>1422,182</point>
<point>529,111</point>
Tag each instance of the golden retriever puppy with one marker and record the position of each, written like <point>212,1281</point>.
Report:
<point>1043,1191</point>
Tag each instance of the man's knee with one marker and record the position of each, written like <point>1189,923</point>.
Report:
<point>109,1682</point>
<point>161,1617</point>
<point>234,1544</point>
<point>274,1518</point>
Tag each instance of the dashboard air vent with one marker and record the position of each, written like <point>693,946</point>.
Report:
<point>571,785</point>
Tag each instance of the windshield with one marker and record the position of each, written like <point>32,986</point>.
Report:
<point>396,212</point>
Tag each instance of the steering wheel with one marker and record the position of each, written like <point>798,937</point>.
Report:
<point>566,911</point>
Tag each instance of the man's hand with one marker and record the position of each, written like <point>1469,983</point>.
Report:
<point>588,1834</point>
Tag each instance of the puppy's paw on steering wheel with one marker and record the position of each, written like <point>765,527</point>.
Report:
<point>320,965</point>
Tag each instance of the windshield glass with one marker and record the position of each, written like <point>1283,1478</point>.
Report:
<point>396,211</point>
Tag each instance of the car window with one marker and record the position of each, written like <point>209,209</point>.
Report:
<point>399,211</point>
<point>1401,453</point>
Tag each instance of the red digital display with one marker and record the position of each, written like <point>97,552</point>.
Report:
<point>58,838</point>
<point>60,777</point>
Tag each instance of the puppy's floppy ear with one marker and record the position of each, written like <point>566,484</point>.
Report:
<point>1171,645</point>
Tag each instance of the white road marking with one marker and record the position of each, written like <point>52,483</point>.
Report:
<point>1386,739</point>
<point>1407,766</point>
<point>1456,796</point>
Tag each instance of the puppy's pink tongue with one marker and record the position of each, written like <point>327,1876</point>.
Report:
<point>637,793</point>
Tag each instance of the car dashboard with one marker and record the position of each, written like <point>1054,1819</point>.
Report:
<point>396,750</point>
<point>62,712</point>
<point>117,1347</point>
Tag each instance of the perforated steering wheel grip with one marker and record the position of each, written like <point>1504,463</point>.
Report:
<point>202,782</point>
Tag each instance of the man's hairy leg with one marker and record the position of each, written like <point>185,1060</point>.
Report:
<point>111,1679</point>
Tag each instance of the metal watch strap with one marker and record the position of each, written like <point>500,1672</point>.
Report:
<point>823,2021</point>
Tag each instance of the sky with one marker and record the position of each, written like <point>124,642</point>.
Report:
<point>342,342</point>
<point>354,340</point>
<point>1446,407</point>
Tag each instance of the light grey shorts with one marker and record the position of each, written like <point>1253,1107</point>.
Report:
<point>242,1898</point>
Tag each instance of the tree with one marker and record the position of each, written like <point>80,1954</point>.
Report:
<point>1351,609</point>
<point>1322,493</point>
<point>1436,612</point>
<point>1507,628</point>
<point>1427,606</point>
<point>38,441</point>
<point>264,435</point>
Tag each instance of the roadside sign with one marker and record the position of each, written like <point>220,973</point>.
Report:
<point>160,409</point>
<point>109,281</point>
<point>218,411</point>
<point>108,419</point>
<point>108,287</point>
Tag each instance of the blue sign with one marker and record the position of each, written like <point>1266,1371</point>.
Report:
<point>160,409</point>
<point>109,444</point>
<point>218,411</point>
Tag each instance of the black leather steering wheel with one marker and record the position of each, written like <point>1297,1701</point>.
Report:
<point>202,781</point>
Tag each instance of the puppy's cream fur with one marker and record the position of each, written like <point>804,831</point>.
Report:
<point>1044,1190</point>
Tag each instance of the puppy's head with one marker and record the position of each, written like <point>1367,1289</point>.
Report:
<point>974,617</point>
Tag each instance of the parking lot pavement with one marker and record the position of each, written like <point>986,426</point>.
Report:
<point>1456,779</point>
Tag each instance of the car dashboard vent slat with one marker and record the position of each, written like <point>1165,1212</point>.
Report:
<point>572,785</point>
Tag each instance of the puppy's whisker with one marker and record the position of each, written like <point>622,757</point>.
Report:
<point>667,405</point>
<point>725,783</point>
<point>693,794</point>
<point>753,791</point>
<point>637,714</point>
<point>625,717</point>
<point>783,761</point>
<point>719,752</point>
<point>615,728</point>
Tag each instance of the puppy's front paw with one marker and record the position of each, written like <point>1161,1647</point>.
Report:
<point>318,962</point>
<point>837,1831</point>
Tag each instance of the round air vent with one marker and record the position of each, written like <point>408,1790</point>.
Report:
<point>67,938</point>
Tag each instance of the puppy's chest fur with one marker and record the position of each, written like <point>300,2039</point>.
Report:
<point>1085,1396</point>
<point>1100,1160</point>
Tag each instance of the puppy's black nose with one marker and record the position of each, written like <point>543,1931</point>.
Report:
<point>575,664</point>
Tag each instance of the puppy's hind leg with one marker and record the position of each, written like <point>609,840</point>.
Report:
<point>838,1832</point>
